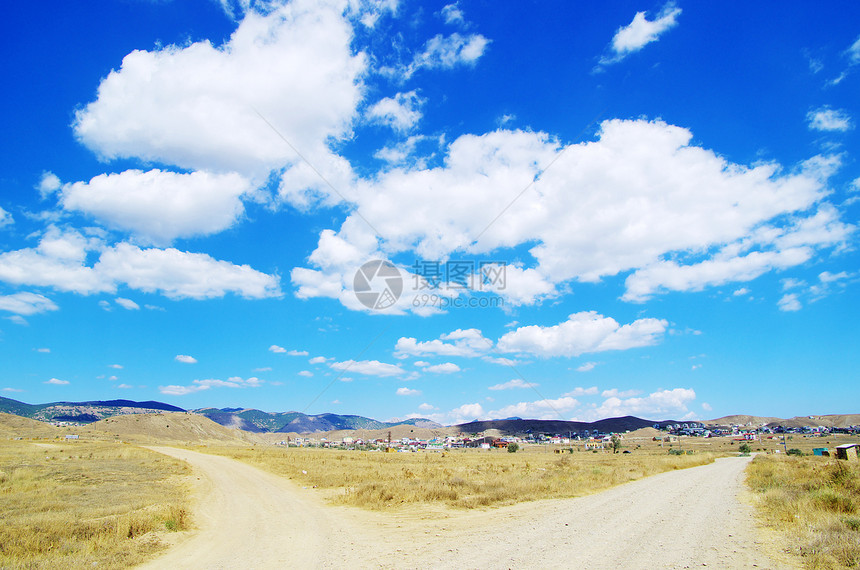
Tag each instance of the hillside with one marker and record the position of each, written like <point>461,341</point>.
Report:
<point>296,422</point>
<point>169,427</point>
<point>522,427</point>
<point>17,426</point>
<point>82,412</point>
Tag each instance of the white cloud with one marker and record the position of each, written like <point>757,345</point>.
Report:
<point>196,106</point>
<point>580,391</point>
<point>586,366</point>
<point>124,386</point>
<point>616,393</point>
<point>401,113</point>
<point>452,14</point>
<point>59,261</point>
<point>446,52</point>
<point>127,304</point>
<point>464,342</point>
<point>827,277</point>
<point>541,409</point>
<point>25,303</point>
<point>425,407</point>
<point>444,368</point>
<point>466,413</point>
<point>43,350</point>
<point>296,352</point>
<point>853,52</point>
<point>368,367</point>
<point>741,292</point>
<point>179,274</point>
<point>159,206</point>
<point>209,383</point>
<point>408,392</point>
<point>306,373</point>
<point>184,358</point>
<point>12,390</point>
<point>707,407</point>
<point>583,332</point>
<point>115,366</point>
<point>501,361</point>
<point>641,198</point>
<point>640,32</point>
<point>263,369</point>
<point>826,119</point>
<point>277,349</point>
<point>789,302</point>
<point>48,184</point>
<point>663,404</point>
<point>514,384</point>
<point>57,382</point>
<point>18,320</point>
<point>5,218</point>
<point>318,360</point>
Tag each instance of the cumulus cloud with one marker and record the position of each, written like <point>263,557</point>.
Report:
<point>318,360</point>
<point>789,303</point>
<point>514,384</point>
<point>56,382</point>
<point>641,32</point>
<point>48,184</point>
<point>443,368</point>
<point>827,119</point>
<point>127,304</point>
<point>184,358</point>
<point>401,113</point>
<point>616,393</point>
<point>408,392</point>
<point>638,199</point>
<point>296,352</point>
<point>662,404</point>
<point>5,218</point>
<point>446,52</point>
<point>25,303</point>
<point>546,409</point>
<point>306,373</point>
<point>580,391</point>
<point>198,106</point>
<point>60,261</point>
<point>368,367</point>
<point>586,366</point>
<point>277,349</point>
<point>209,383</point>
<point>159,206</point>
<point>583,332</point>
<point>461,342</point>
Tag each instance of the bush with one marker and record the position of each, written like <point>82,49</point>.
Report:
<point>795,451</point>
<point>513,447</point>
<point>744,448</point>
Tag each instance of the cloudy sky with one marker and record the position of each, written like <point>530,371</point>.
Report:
<point>586,210</point>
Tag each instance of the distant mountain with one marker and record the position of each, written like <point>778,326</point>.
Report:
<point>284,422</point>
<point>82,412</point>
<point>522,427</point>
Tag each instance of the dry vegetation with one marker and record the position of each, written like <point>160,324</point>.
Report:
<point>814,502</point>
<point>460,478</point>
<point>77,504</point>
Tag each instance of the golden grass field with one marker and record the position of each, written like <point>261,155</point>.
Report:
<point>458,478</point>
<point>813,503</point>
<point>85,504</point>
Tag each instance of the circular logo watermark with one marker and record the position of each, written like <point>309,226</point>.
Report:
<point>377,284</point>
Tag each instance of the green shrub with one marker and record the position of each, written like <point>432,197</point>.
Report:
<point>795,451</point>
<point>744,448</point>
<point>513,447</point>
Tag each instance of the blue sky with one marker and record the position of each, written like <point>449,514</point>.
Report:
<point>589,211</point>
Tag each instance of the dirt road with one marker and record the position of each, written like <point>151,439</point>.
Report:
<point>680,519</point>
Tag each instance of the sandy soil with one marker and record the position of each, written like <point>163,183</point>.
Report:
<point>680,519</point>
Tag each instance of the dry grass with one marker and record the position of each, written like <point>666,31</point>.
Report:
<point>80,504</point>
<point>461,478</point>
<point>815,503</point>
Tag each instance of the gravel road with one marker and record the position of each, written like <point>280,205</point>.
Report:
<point>680,519</point>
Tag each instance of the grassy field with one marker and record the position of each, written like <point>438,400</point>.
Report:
<point>460,478</point>
<point>814,502</point>
<point>85,504</point>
